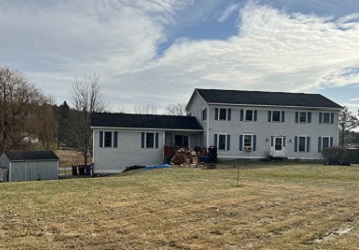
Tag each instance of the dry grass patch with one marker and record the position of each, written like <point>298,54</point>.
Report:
<point>275,207</point>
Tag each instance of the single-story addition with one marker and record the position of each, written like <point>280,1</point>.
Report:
<point>121,140</point>
<point>241,124</point>
<point>30,165</point>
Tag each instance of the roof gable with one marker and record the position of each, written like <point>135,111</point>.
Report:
<point>262,98</point>
<point>121,120</point>
<point>31,155</point>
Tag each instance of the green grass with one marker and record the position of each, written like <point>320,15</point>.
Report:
<point>275,206</point>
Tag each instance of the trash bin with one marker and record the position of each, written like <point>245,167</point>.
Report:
<point>81,169</point>
<point>74,170</point>
<point>212,154</point>
<point>88,169</point>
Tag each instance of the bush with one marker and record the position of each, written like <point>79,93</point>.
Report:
<point>334,154</point>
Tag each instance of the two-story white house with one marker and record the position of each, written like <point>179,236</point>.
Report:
<point>241,124</point>
<point>257,124</point>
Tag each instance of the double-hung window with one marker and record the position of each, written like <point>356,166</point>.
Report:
<point>149,140</point>
<point>222,114</point>
<point>108,139</point>
<point>326,118</point>
<point>248,115</point>
<point>222,141</point>
<point>324,142</point>
<point>303,117</point>
<point>247,142</point>
<point>276,116</point>
<point>302,144</point>
<point>204,114</point>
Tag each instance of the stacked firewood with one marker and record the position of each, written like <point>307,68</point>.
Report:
<point>185,158</point>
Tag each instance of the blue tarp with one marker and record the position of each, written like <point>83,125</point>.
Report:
<point>156,166</point>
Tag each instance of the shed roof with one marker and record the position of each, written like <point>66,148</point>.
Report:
<point>241,97</point>
<point>121,120</point>
<point>31,155</point>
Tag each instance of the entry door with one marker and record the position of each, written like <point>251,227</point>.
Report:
<point>278,147</point>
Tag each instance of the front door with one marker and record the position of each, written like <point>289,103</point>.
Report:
<point>278,146</point>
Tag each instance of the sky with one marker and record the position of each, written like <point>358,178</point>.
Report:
<point>159,51</point>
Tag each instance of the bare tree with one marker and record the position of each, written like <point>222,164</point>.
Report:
<point>347,122</point>
<point>87,98</point>
<point>176,109</point>
<point>121,109</point>
<point>148,108</point>
<point>20,102</point>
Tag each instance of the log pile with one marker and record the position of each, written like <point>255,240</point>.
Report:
<point>185,158</point>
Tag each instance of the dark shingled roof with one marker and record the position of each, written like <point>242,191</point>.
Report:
<point>31,155</point>
<point>144,121</point>
<point>266,98</point>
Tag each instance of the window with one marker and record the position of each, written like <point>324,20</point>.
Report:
<point>204,114</point>
<point>149,140</point>
<point>248,115</point>
<point>326,118</point>
<point>222,141</point>
<point>301,144</point>
<point>108,139</point>
<point>324,142</point>
<point>222,114</point>
<point>276,116</point>
<point>247,143</point>
<point>303,117</point>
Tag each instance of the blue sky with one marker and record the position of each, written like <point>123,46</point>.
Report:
<point>158,51</point>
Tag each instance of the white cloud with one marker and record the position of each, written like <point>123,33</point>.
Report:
<point>272,51</point>
<point>119,40</point>
<point>228,12</point>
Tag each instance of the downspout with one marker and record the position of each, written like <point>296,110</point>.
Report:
<point>208,119</point>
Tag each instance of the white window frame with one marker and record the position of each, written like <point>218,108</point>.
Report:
<point>245,115</point>
<point>104,138</point>
<point>244,146</point>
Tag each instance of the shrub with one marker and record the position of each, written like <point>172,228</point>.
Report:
<point>334,154</point>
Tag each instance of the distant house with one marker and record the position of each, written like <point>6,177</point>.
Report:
<point>29,165</point>
<point>241,124</point>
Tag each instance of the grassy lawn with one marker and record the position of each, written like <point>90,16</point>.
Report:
<point>275,206</point>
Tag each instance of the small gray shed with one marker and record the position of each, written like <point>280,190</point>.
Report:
<point>30,165</point>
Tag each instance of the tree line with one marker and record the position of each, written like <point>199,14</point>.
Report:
<point>31,120</point>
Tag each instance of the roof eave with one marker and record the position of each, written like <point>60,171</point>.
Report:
<point>259,105</point>
<point>147,129</point>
